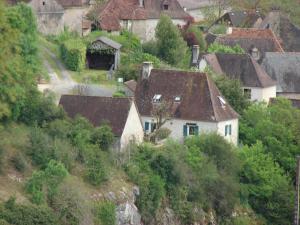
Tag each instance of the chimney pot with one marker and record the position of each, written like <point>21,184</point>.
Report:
<point>146,70</point>
<point>195,54</point>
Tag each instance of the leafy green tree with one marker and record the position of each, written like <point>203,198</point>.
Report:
<point>219,48</point>
<point>268,188</point>
<point>96,172</point>
<point>171,46</point>
<point>277,126</point>
<point>233,92</point>
<point>103,137</point>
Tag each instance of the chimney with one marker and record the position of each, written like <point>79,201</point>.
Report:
<point>195,54</point>
<point>141,3</point>
<point>146,70</point>
<point>229,30</point>
<point>184,9</point>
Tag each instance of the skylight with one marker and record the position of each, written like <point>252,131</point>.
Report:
<point>156,98</point>
<point>177,98</point>
<point>223,102</point>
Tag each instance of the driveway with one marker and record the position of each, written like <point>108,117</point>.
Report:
<point>66,85</point>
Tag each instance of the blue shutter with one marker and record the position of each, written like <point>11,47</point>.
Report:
<point>230,129</point>
<point>146,126</point>
<point>184,130</point>
<point>196,130</point>
<point>225,130</point>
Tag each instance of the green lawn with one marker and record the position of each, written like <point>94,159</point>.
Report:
<point>92,77</point>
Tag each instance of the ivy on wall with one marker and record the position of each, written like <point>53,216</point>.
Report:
<point>73,53</point>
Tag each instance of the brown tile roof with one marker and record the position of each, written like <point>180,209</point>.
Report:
<point>199,95</point>
<point>131,85</point>
<point>248,38</point>
<point>110,14</point>
<point>98,110</point>
<point>242,67</point>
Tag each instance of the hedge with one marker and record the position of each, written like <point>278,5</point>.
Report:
<point>73,53</point>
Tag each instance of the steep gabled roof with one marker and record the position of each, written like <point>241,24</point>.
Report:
<point>199,96</point>
<point>98,110</point>
<point>110,14</point>
<point>248,38</point>
<point>282,26</point>
<point>285,68</point>
<point>240,18</point>
<point>242,67</point>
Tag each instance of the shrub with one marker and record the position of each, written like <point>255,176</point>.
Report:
<point>127,72</point>
<point>119,94</point>
<point>103,137</point>
<point>150,47</point>
<point>219,48</point>
<point>28,215</point>
<point>96,172</point>
<point>34,186</point>
<point>106,213</point>
<point>19,162</point>
<point>1,159</point>
<point>73,53</point>
<point>162,133</point>
<point>193,36</point>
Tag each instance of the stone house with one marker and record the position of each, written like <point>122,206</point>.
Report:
<point>120,113</point>
<point>256,83</point>
<point>137,16</point>
<point>54,15</point>
<point>255,42</point>
<point>195,105</point>
<point>285,69</point>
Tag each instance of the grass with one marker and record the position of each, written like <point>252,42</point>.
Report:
<point>92,77</point>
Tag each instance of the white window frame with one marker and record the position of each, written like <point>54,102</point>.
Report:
<point>156,98</point>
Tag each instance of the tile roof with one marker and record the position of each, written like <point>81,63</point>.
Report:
<point>285,68</point>
<point>199,96</point>
<point>242,67</point>
<point>109,42</point>
<point>98,110</point>
<point>288,32</point>
<point>241,18</point>
<point>248,38</point>
<point>110,14</point>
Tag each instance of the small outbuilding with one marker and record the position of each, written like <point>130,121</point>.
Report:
<point>103,53</point>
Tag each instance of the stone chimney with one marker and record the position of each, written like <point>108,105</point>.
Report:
<point>195,54</point>
<point>146,70</point>
<point>255,53</point>
<point>141,3</point>
<point>229,30</point>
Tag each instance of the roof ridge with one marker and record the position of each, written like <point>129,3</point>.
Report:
<point>210,97</point>
<point>276,40</point>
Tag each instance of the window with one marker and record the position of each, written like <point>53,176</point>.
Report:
<point>222,101</point>
<point>166,7</point>
<point>126,24</point>
<point>190,129</point>
<point>156,98</point>
<point>177,99</point>
<point>44,3</point>
<point>150,127</point>
<point>247,93</point>
<point>228,130</point>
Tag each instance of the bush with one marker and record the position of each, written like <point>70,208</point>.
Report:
<point>193,36</point>
<point>1,159</point>
<point>219,48</point>
<point>162,133</point>
<point>119,94</point>
<point>19,162</point>
<point>103,137</point>
<point>150,47</point>
<point>128,72</point>
<point>73,53</point>
<point>27,215</point>
<point>106,213</point>
<point>96,172</point>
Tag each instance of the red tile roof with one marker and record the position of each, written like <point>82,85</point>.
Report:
<point>199,96</point>
<point>110,14</point>
<point>98,110</point>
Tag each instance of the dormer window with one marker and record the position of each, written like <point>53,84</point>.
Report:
<point>222,101</point>
<point>177,99</point>
<point>255,53</point>
<point>156,98</point>
<point>166,6</point>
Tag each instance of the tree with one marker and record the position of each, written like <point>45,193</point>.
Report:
<point>233,92</point>
<point>171,46</point>
<point>103,137</point>
<point>219,48</point>
<point>193,36</point>
<point>268,189</point>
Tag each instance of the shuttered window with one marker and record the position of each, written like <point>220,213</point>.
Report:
<point>146,126</point>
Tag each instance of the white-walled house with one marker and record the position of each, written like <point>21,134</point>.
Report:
<point>120,113</point>
<point>138,16</point>
<point>194,102</point>
<point>257,84</point>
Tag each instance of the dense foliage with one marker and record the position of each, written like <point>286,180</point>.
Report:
<point>73,52</point>
<point>219,48</point>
